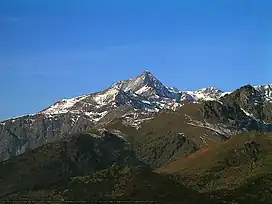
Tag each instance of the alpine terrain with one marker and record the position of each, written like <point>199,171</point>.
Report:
<point>142,140</point>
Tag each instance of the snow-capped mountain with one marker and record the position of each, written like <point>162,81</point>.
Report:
<point>147,85</point>
<point>209,93</point>
<point>134,102</point>
<point>144,92</point>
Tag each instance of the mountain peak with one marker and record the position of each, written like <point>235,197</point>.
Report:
<point>146,85</point>
<point>210,90</point>
<point>147,73</point>
<point>147,77</point>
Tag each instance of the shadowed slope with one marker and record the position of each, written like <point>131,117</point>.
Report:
<point>56,162</point>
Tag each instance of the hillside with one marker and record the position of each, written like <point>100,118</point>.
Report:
<point>88,167</point>
<point>77,155</point>
<point>238,169</point>
<point>235,171</point>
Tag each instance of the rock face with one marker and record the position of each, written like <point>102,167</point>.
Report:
<point>230,114</point>
<point>254,101</point>
<point>251,100</point>
<point>28,132</point>
<point>135,101</point>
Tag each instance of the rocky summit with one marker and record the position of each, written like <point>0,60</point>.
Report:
<point>136,103</point>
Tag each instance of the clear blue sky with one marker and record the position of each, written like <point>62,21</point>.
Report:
<point>53,49</point>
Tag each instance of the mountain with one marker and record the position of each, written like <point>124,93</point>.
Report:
<point>136,103</point>
<point>141,140</point>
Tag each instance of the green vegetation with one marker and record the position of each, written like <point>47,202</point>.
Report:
<point>93,131</point>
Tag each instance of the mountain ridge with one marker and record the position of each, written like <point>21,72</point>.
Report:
<point>192,95</point>
<point>139,139</point>
<point>135,102</point>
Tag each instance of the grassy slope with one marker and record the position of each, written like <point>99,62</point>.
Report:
<point>238,169</point>
<point>158,142</point>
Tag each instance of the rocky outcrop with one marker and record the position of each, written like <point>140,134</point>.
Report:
<point>229,114</point>
<point>29,132</point>
<point>252,101</point>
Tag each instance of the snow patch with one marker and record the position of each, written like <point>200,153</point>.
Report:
<point>136,119</point>
<point>118,134</point>
<point>95,135</point>
<point>95,116</point>
<point>248,114</point>
<point>143,89</point>
<point>75,119</point>
<point>146,102</point>
<point>266,91</point>
<point>63,105</point>
<point>106,97</point>
<point>224,93</point>
<point>220,129</point>
<point>206,94</point>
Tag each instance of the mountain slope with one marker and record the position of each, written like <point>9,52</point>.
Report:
<point>95,166</point>
<point>226,165</point>
<point>77,155</point>
<point>171,135</point>
<point>135,102</point>
<point>83,168</point>
<point>236,171</point>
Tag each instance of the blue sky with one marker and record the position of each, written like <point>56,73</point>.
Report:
<point>58,49</point>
